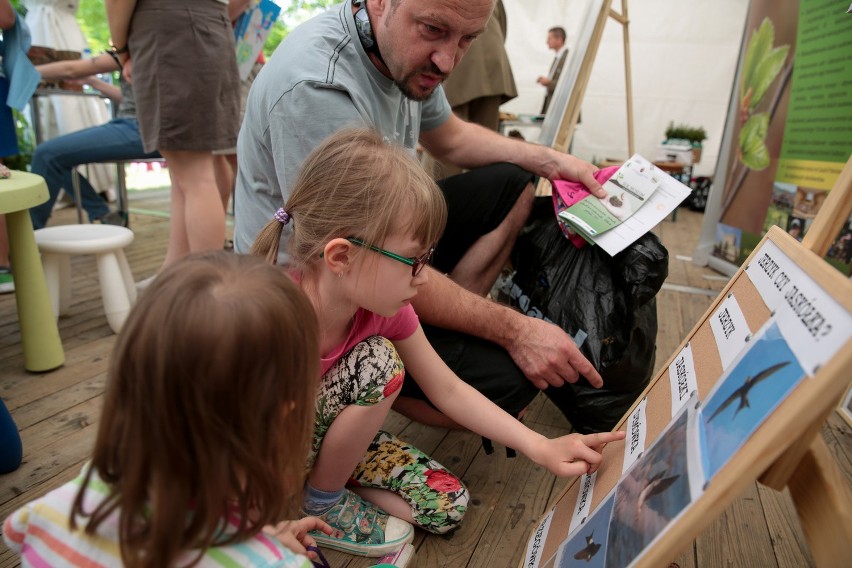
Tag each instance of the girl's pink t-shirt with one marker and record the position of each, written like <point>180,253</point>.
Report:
<point>367,324</point>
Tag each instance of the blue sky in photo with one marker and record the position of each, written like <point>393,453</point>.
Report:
<point>730,429</point>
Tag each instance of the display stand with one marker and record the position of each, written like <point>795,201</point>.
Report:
<point>561,120</point>
<point>785,450</point>
<point>820,493</point>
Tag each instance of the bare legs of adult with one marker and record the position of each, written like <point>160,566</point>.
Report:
<point>226,176</point>
<point>197,215</point>
<point>479,267</point>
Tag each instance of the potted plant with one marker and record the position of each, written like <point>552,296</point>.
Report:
<point>694,135</point>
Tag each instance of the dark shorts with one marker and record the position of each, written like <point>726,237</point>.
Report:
<point>477,202</point>
<point>485,366</point>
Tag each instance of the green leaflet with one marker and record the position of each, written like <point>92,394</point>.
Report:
<point>754,153</point>
<point>761,64</point>
<point>766,72</point>
<point>758,47</point>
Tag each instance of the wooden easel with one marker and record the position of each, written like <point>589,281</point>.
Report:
<point>571,114</point>
<point>819,491</point>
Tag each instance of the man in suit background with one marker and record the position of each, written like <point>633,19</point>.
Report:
<point>556,42</point>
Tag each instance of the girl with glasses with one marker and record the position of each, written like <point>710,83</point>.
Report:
<point>361,223</point>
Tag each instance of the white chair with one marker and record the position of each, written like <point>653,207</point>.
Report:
<point>107,242</point>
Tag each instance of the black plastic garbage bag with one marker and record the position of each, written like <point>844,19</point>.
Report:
<point>611,299</point>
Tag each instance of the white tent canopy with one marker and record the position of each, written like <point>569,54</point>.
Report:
<point>683,54</point>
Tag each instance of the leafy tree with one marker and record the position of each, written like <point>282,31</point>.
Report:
<point>91,16</point>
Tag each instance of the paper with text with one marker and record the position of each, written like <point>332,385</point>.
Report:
<point>730,330</point>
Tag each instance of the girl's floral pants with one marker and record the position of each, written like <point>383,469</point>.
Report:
<point>367,374</point>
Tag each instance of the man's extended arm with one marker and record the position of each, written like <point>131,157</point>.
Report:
<point>543,351</point>
<point>469,145</point>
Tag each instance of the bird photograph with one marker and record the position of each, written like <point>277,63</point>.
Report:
<point>589,551</point>
<point>746,395</point>
<point>586,545</point>
<point>741,394</point>
<point>653,492</point>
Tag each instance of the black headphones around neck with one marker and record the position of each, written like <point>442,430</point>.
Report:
<point>362,24</point>
<point>365,30</point>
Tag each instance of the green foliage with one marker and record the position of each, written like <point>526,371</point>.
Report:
<point>92,19</point>
<point>276,35</point>
<point>753,150</point>
<point>761,65</point>
<point>91,16</point>
<point>26,144</point>
<point>19,8</point>
<point>694,134</point>
<point>297,7</point>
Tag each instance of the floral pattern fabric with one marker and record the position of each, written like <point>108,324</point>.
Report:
<point>366,375</point>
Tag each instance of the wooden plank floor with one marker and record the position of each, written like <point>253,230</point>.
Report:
<point>57,413</point>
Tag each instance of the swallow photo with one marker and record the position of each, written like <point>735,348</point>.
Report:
<point>590,550</point>
<point>741,393</point>
<point>656,485</point>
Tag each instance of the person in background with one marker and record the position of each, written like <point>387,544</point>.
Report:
<point>481,82</point>
<point>226,160</point>
<point>8,147</point>
<point>365,219</point>
<point>555,41</point>
<point>181,59</point>
<point>204,432</point>
<point>118,139</point>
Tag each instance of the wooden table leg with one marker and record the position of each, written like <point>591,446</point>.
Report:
<point>39,331</point>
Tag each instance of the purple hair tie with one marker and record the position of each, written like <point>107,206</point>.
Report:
<point>282,216</point>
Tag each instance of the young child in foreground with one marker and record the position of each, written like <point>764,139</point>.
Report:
<point>364,218</point>
<point>204,431</point>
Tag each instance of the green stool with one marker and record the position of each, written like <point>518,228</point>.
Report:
<point>39,332</point>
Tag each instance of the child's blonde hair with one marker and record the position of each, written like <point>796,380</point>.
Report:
<point>355,184</point>
<point>208,409</point>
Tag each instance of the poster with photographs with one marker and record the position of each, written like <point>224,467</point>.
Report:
<point>758,381</point>
<point>659,486</point>
<point>656,490</point>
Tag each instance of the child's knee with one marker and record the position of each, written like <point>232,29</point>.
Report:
<point>443,512</point>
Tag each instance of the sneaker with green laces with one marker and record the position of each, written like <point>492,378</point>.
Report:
<point>7,283</point>
<point>362,528</point>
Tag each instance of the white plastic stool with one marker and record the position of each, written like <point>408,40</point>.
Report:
<point>58,243</point>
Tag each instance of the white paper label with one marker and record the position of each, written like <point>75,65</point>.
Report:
<point>682,378</point>
<point>634,445</point>
<point>534,548</point>
<point>584,501</point>
<point>730,330</point>
<point>814,325</point>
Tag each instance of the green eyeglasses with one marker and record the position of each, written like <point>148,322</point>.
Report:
<point>416,262</point>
